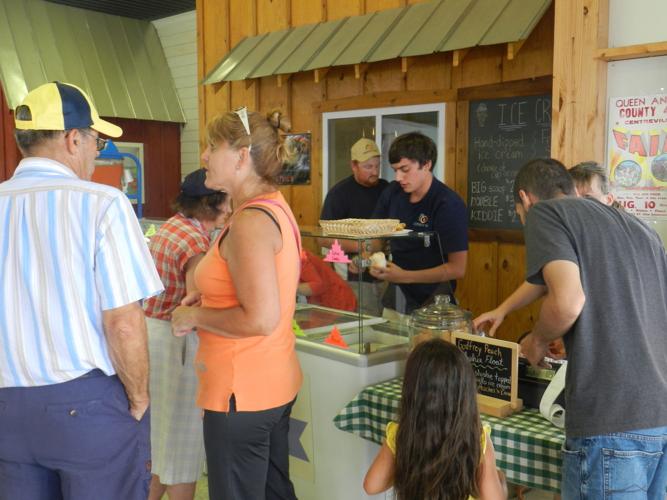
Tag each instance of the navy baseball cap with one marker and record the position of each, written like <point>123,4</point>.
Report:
<point>193,185</point>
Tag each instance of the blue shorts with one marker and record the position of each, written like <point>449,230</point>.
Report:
<point>75,440</point>
<point>625,465</point>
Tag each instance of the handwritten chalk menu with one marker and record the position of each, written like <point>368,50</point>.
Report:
<point>496,366</point>
<point>503,134</point>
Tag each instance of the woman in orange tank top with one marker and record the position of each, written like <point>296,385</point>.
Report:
<point>247,366</point>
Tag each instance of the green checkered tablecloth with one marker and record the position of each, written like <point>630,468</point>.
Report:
<point>528,447</point>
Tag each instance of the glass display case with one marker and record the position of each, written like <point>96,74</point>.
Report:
<point>354,336</point>
<point>343,344</point>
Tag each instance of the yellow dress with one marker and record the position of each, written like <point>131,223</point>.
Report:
<point>392,429</point>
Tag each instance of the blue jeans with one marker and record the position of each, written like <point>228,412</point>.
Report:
<point>623,465</point>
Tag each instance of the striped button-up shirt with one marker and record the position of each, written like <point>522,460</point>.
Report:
<point>69,249</point>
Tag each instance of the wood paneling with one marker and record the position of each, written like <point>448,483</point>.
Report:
<point>461,175</point>
<point>377,5</point>
<point>477,292</point>
<point>308,11</point>
<point>244,14</point>
<point>9,152</point>
<point>343,8</point>
<point>384,76</point>
<point>341,83</point>
<point>305,199</point>
<point>429,72</point>
<point>633,51</point>
<point>578,99</point>
<point>484,71</point>
<point>532,60</point>
<point>511,273</point>
<point>481,66</point>
<point>384,99</point>
<point>213,41</point>
<point>450,143</point>
<point>272,15</point>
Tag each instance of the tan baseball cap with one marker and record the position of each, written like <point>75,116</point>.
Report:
<point>364,149</point>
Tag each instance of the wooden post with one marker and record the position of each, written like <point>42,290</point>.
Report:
<point>579,81</point>
<point>513,49</point>
<point>319,74</point>
<point>458,56</point>
<point>360,70</point>
<point>633,51</point>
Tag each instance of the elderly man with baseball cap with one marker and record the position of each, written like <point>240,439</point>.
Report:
<point>73,347</point>
<point>356,197</point>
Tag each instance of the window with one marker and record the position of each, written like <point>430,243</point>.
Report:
<point>341,129</point>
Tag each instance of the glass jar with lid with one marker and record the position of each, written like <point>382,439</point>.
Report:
<point>439,320</point>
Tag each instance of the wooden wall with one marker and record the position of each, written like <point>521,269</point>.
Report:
<point>9,152</point>
<point>496,262</point>
<point>162,153</point>
<point>581,27</point>
<point>162,161</point>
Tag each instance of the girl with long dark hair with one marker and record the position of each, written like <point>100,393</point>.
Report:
<point>438,450</point>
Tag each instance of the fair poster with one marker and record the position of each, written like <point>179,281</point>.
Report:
<point>637,154</point>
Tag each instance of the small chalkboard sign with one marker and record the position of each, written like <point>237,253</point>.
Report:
<point>496,365</point>
<point>503,134</point>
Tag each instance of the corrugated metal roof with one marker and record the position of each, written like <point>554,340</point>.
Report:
<point>306,51</point>
<point>403,31</point>
<point>289,44</point>
<point>418,29</point>
<point>339,42</point>
<point>143,9</point>
<point>118,61</point>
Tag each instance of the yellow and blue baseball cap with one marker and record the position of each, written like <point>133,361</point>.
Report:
<point>63,106</point>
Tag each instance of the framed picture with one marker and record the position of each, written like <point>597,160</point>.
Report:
<point>297,171</point>
<point>130,177</point>
<point>118,167</point>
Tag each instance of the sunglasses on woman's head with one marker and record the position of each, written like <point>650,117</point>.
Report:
<point>242,113</point>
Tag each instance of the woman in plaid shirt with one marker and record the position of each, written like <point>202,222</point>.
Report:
<point>176,426</point>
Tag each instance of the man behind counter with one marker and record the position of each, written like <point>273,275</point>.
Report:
<point>422,203</point>
<point>356,197</point>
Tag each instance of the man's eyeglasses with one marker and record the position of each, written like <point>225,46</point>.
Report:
<point>99,142</point>
<point>242,113</point>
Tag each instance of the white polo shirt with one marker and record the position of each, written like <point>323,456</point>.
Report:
<point>69,249</point>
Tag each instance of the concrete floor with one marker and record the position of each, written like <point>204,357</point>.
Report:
<point>202,492</point>
<point>202,489</point>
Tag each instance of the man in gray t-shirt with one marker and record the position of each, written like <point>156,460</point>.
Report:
<point>605,277</point>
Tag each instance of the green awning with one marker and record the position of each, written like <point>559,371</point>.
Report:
<point>118,61</point>
<point>418,29</point>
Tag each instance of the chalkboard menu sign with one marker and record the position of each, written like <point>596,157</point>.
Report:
<point>503,135</point>
<point>496,366</point>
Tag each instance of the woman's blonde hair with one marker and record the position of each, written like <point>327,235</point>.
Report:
<point>267,146</point>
